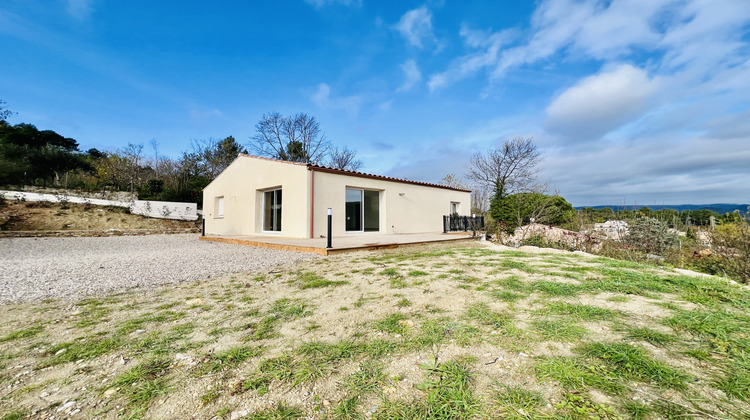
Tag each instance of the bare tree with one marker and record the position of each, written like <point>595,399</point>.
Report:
<point>508,169</point>
<point>133,155</point>
<point>480,199</point>
<point>344,159</point>
<point>451,180</point>
<point>155,146</point>
<point>295,138</point>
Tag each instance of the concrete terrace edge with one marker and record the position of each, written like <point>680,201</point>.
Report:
<point>323,251</point>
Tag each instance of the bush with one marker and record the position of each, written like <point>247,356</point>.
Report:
<point>650,235</point>
<point>731,242</point>
<point>542,242</point>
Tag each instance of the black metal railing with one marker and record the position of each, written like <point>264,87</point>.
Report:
<point>462,223</point>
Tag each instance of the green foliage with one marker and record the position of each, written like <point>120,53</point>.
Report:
<point>586,312</point>
<point>27,154</point>
<point>650,235</point>
<point>449,395</point>
<point>280,412</point>
<point>628,362</point>
<point>228,359</point>
<point>579,406</point>
<point>84,348</point>
<point>732,245</point>
<point>14,415</point>
<point>392,324</point>
<point>651,336</point>
<point>518,209</point>
<point>143,383</point>
<point>519,401</point>
<point>23,333</point>
<point>310,280</point>
<point>559,330</point>
<point>482,313</point>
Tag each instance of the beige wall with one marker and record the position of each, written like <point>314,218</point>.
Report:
<point>419,209</point>
<point>242,185</point>
<point>404,208</point>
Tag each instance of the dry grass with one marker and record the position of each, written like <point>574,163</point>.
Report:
<point>370,339</point>
<point>43,216</point>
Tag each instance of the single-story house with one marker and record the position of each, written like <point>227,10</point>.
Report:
<point>261,196</point>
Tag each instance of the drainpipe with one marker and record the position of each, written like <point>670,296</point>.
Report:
<point>312,201</point>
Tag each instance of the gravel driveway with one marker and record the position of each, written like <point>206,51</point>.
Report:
<point>40,268</point>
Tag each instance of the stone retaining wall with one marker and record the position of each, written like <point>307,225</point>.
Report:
<point>108,232</point>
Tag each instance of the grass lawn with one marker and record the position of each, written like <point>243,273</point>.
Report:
<point>430,332</point>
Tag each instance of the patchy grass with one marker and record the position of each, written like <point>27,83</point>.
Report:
<point>142,383</point>
<point>428,332</point>
<point>310,280</point>
<point>228,359</point>
<point>23,333</point>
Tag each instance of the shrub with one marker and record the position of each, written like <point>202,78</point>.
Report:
<point>731,243</point>
<point>650,235</point>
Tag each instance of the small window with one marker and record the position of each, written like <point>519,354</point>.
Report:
<point>455,207</point>
<point>219,207</point>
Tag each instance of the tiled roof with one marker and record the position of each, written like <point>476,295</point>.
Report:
<point>321,168</point>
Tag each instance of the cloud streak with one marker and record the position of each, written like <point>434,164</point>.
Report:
<point>412,75</point>
<point>416,27</point>
<point>601,103</point>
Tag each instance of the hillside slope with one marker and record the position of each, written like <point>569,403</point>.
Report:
<point>44,216</point>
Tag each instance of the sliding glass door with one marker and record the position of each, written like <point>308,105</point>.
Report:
<point>272,211</point>
<point>362,210</point>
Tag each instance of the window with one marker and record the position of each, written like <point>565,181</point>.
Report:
<point>362,210</point>
<point>219,207</point>
<point>454,207</point>
<point>272,211</point>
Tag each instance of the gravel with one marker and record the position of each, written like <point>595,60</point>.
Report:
<point>69,268</point>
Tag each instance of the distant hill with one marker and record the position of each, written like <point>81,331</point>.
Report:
<point>720,208</point>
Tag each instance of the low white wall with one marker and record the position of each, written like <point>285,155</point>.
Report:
<point>165,209</point>
<point>155,209</point>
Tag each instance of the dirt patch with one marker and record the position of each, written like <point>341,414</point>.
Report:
<point>360,332</point>
<point>43,216</point>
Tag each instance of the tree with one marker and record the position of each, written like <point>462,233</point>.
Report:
<point>29,154</point>
<point>650,235</point>
<point>451,180</point>
<point>731,243</point>
<point>344,159</point>
<point>296,138</point>
<point>523,208</point>
<point>209,157</point>
<point>133,154</point>
<point>508,169</point>
<point>5,113</point>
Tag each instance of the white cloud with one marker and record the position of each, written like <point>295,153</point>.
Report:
<point>321,3</point>
<point>489,44</point>
<point>201,115</point>
<point>412,75</point>
<point>416,26</point>
<point>601,103</point>
<point>322,98</point>
<point>79,9</point>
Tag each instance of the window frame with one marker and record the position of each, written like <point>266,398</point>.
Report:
<point>273,208</point>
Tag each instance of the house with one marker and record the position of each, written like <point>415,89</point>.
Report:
<point>612,229</point>
<point>261,196</point>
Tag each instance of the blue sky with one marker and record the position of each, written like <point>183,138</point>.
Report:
<point>631,101</point>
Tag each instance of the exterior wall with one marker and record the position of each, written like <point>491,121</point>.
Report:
<point>165,209</point>
<point>419,209</point>
<point>242,185</point>
<point>153,209</point>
